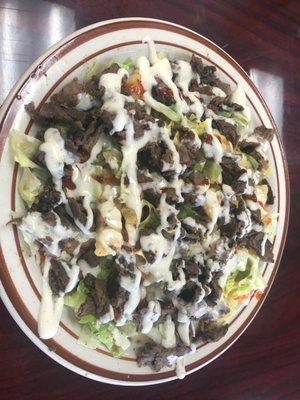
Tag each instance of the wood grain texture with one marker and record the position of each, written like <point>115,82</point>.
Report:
<point>264,37</point>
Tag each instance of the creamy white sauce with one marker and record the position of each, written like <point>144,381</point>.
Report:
<point>152,314</point>
<point>160,69</point>
<point>213,150</point>
<point>212,208</point>
<point>183,330</point>
<point>180,368</point>
<point>263,245</point>
<point>133,287</point>
<point>185,74</point>
<point>113,100</point>
<point>56,156</point>
<point>85,101</point>
<point>50,308</point>
<point>169,338</point>
<point>34,225</point>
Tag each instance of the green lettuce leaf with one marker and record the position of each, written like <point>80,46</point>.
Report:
<point>24,147</point>
<point>160,107</point>
<point>29,186</point>
<point>150,218</point>
<point>252,161</point>
<point>212,170</point>
<point>127,64</point>
<point>113,157</point>
<point>108,270</point>
<point>93,69</point>
<point>244,281</point>
<point>104,333</point>
<point>198,127</point>
<point>241,120</point>
<point>187,211</point>
<point>77,298</point>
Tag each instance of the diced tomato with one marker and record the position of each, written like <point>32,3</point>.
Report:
<point>136,89</point>
<point>242,297</point>
<point>267,220</point>
<point>145,276</point>
<point>258,295</point>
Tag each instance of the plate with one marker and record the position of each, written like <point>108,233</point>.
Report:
<point>21,277</point>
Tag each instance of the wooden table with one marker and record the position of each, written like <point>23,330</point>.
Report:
<point>263,36</point>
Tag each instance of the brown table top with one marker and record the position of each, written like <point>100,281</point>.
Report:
<point>264,37</point>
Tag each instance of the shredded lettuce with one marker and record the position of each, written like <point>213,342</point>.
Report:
<point>77,298</point>
<point>127,64</point>
<point>212,170</point>
<point>93,69</point>
<point>87,339</point>
<point>199,167</point>
<point>197,127</point>
<point>160,55</point>
<point>96,67</point>
<point>106,334</point>
<point>241,119</point>
<point>29,186</point>
<point>187,211</point>
<point>241,283</point>
<point>113,157</point>
<point>225,114</point>
<point>107,269</point>
<point>252,161</point>
<point>24,148</point>
<point>156,105</point>
<point>151,220</point>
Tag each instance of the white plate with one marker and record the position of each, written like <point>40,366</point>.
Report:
<point>21,278</point>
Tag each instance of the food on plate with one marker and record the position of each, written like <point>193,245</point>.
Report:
<point>146,205</point>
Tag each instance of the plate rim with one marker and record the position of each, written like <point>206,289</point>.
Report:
<point>6,106</point>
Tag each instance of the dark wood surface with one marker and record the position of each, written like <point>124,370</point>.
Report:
<point>263,36</point>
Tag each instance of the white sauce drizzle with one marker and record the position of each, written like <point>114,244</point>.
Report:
<point>50,308</point>
<point>152,314</point>
<point>33,224</point>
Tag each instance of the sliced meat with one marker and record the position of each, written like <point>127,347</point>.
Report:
<point>87,253</point>
<point>265,133</point>
<point>163,93</point>
<point>68,245</point>
<point>207,74</point>
<point>67,178</point>
<point>255,241</point>
<point>47,199</point>
<point>50,218</point>
<point>112,69</point>
<point>215,294</point>
<point>58,277</point>
<point>210,331</point>
<point>69,94</point>
<point>270,196</point>
<point>97,302</point>
<point>92,87</point>
<point>191,292</point>
<point>143,176</point>
<point>183,155</point>
<point>231,172</point>
<point>232,230</point>
<point>156,356</point>
<point>248,147</point>
<point>226,129</point>
<point>78,211</point>
<point>191,269</point>
<point>52,113</point>
<point>171,195</point>
<point>65,218</point>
